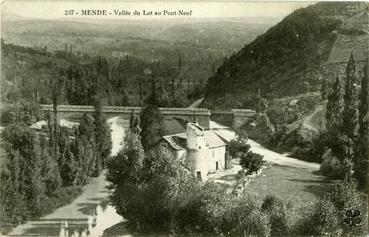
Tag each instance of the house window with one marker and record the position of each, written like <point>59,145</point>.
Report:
<point>199,147</point>
<point>198,175</point>
<point>216,165</point>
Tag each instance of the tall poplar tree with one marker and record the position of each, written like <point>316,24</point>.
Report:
<point>361,161</point>
<point>334,106</point>
<point>102,137</point>
<point>349,117</point>
<point>349,113</point>
<point>151,121</point>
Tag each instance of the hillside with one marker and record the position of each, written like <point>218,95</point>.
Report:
<point>292,57</point>
<point>197,43</point>
<point>101,38</point>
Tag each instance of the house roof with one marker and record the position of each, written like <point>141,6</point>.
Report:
<point>196,128</point>
<point>212,139</point>
<point>176,141</point>
<point>179,141</point>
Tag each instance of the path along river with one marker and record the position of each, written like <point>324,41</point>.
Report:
<point>89,215</point>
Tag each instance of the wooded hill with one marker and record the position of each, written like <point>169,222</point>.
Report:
<point>292,57</point>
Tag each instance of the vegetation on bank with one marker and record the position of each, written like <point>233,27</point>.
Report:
<point>157,194</point>
<point>47,168</point>
<point>346,137</point>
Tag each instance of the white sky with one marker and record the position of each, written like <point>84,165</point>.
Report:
<point>55,9</point>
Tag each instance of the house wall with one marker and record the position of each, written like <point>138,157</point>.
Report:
<point>180,155</point>
<point>198,160</point>
<point>217,155</point>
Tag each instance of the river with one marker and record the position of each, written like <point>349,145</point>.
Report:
<point>88,215</point>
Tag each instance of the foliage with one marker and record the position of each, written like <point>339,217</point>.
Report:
<point>151,123</point>
<point>331,166</point>
<point>326,217</point>
<point>342,135</point>
<point>237,146</point>
<point>42,167</point>
<point>349,113</point>
<point>24,111</point>
<point>279,214</point>
<point>334,107</point>
<point>157,193</point>
<point>321,220</point>
<point>102,138</point>
<point>280,62</point>
<point>134,123</point>
<point>252,162</point>
<point>127,165</point>
<point>361,161</point>
<point>261,130</point>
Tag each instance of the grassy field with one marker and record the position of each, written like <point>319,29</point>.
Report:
<point>295,185</point>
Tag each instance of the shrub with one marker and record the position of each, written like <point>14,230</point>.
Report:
<point>262,131</point>
<point>320,219</point>
<point>331,166</point>
<point>25,111</point>
<point>238,146</point>
<point>251,161</point>
<point>327,216</point>
<point>279,215</point>
<point>346,197</point>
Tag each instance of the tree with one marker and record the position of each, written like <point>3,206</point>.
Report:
<point>334,106</point>
<point>251,161</point>
<point>102,138</point>
<point>69,168</point>
<point>127,165</point>
<point>361,160</point>
<point>134,123</point>
<point>349,113</point>
<point>151,122</point>
<point>50,169</point>
<point>323,89</point>
<point>349,116</point>
<point>25,164</point>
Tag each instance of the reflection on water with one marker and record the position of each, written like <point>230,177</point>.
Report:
<point>88,215</point>
<point>103,217</point>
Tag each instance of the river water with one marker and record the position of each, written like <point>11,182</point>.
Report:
<point>88,215</point>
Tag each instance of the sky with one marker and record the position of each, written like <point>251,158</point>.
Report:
<point>42,9</point>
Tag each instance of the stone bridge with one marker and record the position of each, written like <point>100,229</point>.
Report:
<point>75,113</point>
<point>237,117</point>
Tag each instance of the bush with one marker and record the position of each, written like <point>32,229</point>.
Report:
<point>346,197</point>
<point>251,161</point>
<point>320,220</point>
<point>238,146</point>
<point>280,216</point>
<point>25,112</point>
<point>327,216</point>
<point>331,166</point>
<point>263,131</point>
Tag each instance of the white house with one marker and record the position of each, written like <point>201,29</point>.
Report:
<point>201,151</point>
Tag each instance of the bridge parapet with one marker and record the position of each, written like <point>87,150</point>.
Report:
<point>237,117</point>
<point>74,112</point>
<point>241,116</point>
<point>124,109</point>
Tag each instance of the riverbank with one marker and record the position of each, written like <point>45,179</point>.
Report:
<point>88,215</point>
